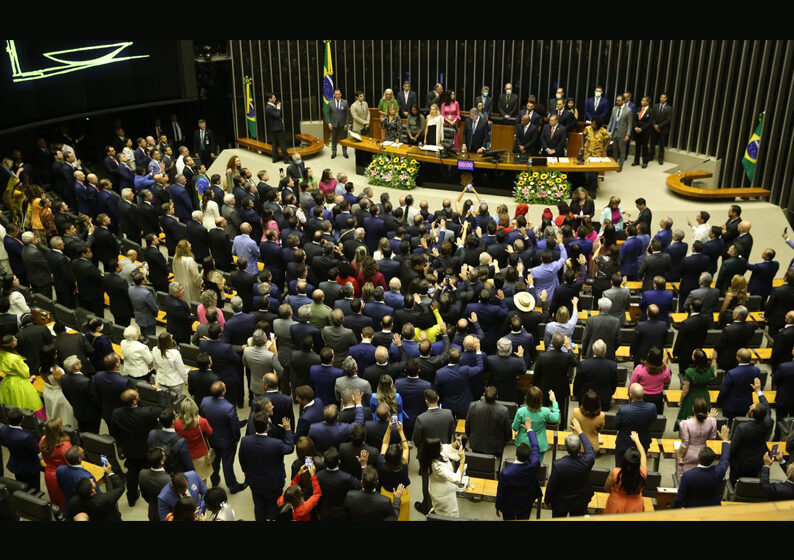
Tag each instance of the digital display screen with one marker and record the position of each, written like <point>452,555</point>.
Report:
<point>465,165</point>
<point>46,79</point>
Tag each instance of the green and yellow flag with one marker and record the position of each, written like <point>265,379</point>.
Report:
<point>751,152</point>
<point>250,110</point>
<point>328,79</point>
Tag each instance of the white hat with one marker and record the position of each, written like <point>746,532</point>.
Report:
<point>524,301</point>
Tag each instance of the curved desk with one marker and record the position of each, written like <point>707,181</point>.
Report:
<point>677,182</point>
<point>314,145</point>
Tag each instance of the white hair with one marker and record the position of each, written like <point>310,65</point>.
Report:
<point>132,333</point>
<point>126,193</point>
<point>504,347</point>
<point>28,237</point>
<point>604,305</point>
<point>70,364</point>
<point>228,200</point>
<point>197,215</point>
<point>599,348</point>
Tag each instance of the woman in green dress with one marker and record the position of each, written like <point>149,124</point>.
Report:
<point>540,415</point>
<point>696,382</point>
<point>16,389</point>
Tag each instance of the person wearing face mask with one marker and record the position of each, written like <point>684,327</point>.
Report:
<point>486,100</point>
<point>597,106</point>
<point>559,94</point>
<point>508,103</point>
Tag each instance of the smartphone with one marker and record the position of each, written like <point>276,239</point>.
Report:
<point>104,460</point>
<point>394,419</point>
<point>309,462</point>
<point>773,453</point>
<point>272,336</point>
<point>468,188</point>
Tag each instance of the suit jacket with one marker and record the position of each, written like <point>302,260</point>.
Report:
<point>620,127</point>
<point>604,327</point>
<point>130,220</point>
<point>648,334</point>
<point>701,487</point>
<point>131,427</point>
<point>361,505</point>
<point>338,118</point>
<point>68,476</point>
<point>335,485</point>
<point>598,374</point>
<point>262,460</point>
<point>207,146</point>
<point>173,232</point>
<point>149,218</point>
<point>36,266</point>
<point>222,416</point>
<point>179,452</point>
<point>662,299</point>
<point>102,506</point>
<point>110,385</point>
<point>104,245</point>
<point>780,302</point>
<point>748,444</point>
<point>158,268</point>
<point>530,138</point>
<point>117,289</point>
<point>508,107</point>
<point>244,282</point>
<point>518,484</point>
<point>557,142</point>
<point>714,248</point>
<point>569,486</point>
<point>643,123</point>
<point>480,138</point>
<point>708,295</point>
<point>199,239</point>
<point>735,396</point>
<point>662,116</point>
<point>504,376</point>
<point>310,414</point>
<point>452,384</point>
<point>89,280</point>
<point>13,247</point>
<point>404,105</point>
<point>325,435</point>
<point>776,491</point>
<point>634,417</point>
<point>553,371</point>
<point>74,344</point>
<point>488,427</point>
<point>168,497</point>
<point>274,118</point>
<point>782,345</point>
<point>238,328</point>
<point>677,251</point>
<point>730,267</point>
<point>691,269</point>
<point>602,110</point>
<point>199,383</point>
<point>151,483</point>
<point>433,423</point>
<point>691,335</point>
<point>220,247</point>
<point>630,253</point>
<point>734,336</point>
<point>23,450</point>
<point>179,320</point>
<point>761,280</point>
<point>412,390</point>
<point>655,264</point>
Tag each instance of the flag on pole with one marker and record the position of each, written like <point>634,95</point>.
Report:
<point>751,152</point>
<point>328,79</point>
<point>250,110</point>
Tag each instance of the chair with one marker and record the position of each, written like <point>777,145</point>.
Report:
<point>541,331</point>
<point>73,433</point>
<point>33,507</point>
<point>152,397</point>
<point>3,414</point>
<point>786,427</point>
<point>512,407</point>
<point>578,334</point>
<point>26,292</point>
<point>721,421</point>
<point>626,336</point>
<point>160,297</point>
<point>127,244</point>
<point>151,341</point>
<point>84,315</point>
<point>652,482</point>
<point>757,339</point>
<point>448,138</point>
<point>585,302</point>
<point>623,375</point>
<point>754,303</point>
<point>481,465</point>
<point>117,333</point>
<point>658,426</point>
<point>609,424</point>
<point>716,383</point>
<point>32,424</point>
<point>189,354</point>
<point>44,302</point>
<point>669,340</point>
<point>96,445</point>
<point>748,489</point>
<point>13,485</point>
<point>598,478</point>
<point>712,338</point>
<point>65,315</point>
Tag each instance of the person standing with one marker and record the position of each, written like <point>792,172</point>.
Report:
<point>436,423</point>
<point>338,112</point>
<point>596,106</point>
<point>632,419</point>
<point>661,115</point>
<point>275,126</point>
<point>642,126</point>
<point>359,111</point>
<point>568,491</point>
<point>518,486</point>
<point>406,99</point>
<point>619,128</point>
<point>625,483</point>
<point>222,416</point>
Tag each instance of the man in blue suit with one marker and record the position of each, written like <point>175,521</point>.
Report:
<point>323,376</point>
<point>568,490</point>
<point>703,485</point>
<point>677,251</point>
<point>691,268</point>
<point>226,363</point>
<point>452,382</point>
<point>364,352</point>
<point>374,227</point>
<point>394,298</point>
<point>331,432</point>
<point>240,325</point>
<point>637,416</point>
<point>262,461</point>
<point>412,390</point>
<point>665,233</point>
<point>490,316</point>
<point>597,106</point>
<point>110,384</point>
<point>24,450</point>
<point>763,273</point>
<point>222,416</point>
<point>630,253</point>
<point>518,486</point>
<point>659,297</point>
<point>311,410</point>
<point>378,308</point>
<point>304,328</point>
<point>777,491</point>
<point>714,248</point>
<point>735,396</point>
<point>271,254</point>
<point>180,484</point>
<point>71,473</point>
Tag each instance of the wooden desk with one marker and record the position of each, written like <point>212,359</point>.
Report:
<point>507,162</point>
<point>96,471</point>
<point>767,511</point>
<point>38,382</point>
<point>677,183</point>
<point>637,286</point>
<point>314,145</point>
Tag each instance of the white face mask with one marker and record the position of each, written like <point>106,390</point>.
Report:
<point>598,94</point>
<point>559,96</point>
<point>508,91</point>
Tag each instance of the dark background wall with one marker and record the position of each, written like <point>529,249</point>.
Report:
<point>717,87</point>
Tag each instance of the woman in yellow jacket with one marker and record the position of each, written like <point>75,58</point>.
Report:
<point>16,389</point>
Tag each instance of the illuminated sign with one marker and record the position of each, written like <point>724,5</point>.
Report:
<point>69,60</point>
<point>465,165</point>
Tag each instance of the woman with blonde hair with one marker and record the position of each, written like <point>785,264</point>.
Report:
<point>383,245</point>
<point>171,372</point>
<point>387,394</point>
<point>392,125</point>
<point>186,271</point>
<point>53,445</point>
<point>433,127</point>
<point>209,300</point>
<point>233,169</point>
<point>359,257</point>
<point>195,429</point>
<point>614,214</point>
<point>735,296</point>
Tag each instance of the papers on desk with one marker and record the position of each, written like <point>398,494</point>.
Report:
<point>355,136</point>
<point>394,144</point>
<point>551,160</point>
<point>598,160</point>
<point>428,148</point>
<point>563,160</point>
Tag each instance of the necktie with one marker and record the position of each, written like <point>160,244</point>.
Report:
<point>474,127</point>
<point>619,110</point>
<point>202,137</point>
<point>337,105</point>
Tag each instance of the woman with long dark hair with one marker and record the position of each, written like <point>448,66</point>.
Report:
<point>99,342</point>
<point>652,374</point>
<point>625,484</point>
<point>16,388</point>
<point>695,431</point>
<point>590,417</point>
<point>444,479</point>
<point>53,444</point>
<point>607,263</point>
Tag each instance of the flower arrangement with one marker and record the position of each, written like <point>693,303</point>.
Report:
<point>541,187</point>
<point>398,172</point>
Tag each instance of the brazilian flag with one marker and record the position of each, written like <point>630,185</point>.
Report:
<point>328,79</point>
<point>250,110</point>
<point>751,153</point>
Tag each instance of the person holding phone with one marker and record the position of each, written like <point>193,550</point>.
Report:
<point>302,508</point>
<point>444,479</point>
<point>392,466</point>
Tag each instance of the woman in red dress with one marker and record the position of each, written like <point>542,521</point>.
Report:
<point>369,272</point>
<point>345,276</point>
<point>195,429</point>
<point>53,445</point>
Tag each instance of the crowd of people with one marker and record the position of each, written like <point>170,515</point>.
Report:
<point>384,320</point>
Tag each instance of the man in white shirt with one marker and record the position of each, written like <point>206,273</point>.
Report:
<point>180,161</point>
<point>700,232</point>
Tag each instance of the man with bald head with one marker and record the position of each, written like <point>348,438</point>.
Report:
<point>735,396</point>
<point>244,246</point>
<point>598,374</point>
<point>569,491</point>
<point>744,242</point>
<point>321,313</point>
<point>383,366</point>
<point>330,432</point>
<point>84,195</point>
<point>734,335</point>
<point>636,416</point>
<point>665,233</point>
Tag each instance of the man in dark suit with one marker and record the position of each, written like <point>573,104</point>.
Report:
<point>178,457</point>
<point>714,248</point>
<point>730,229</point>
<point>275,126</point>
<point>763,273</point>
<point>603,327</point>
<point>734,336</point>
<point>452,382</point>
<point>568,490</point>
<point>405,99</point>
<point>518,486</point>
<point>203,143</point>
<point>705,293</point>
<point>222,416</point>
<point>262,461</point>
<point>780,303</point>
<point>240,325</point>
<point>412,390</point>
<point>198,236</point>
<point>655,264</point>
<point>367,504</point>
<point>148,215</point>
<point>90,293</point>
<point>648,334</point>
<point>104,245</point>
<point>554,138</point>
<point>110,384</point>
<point>505,368</point>
<point>158,266</point>
<point>330,432</point>
<point>14,246</point>
<point>783,343</point>
<point>220,246</point>
<point>744,241</point>
<point>311,409</point>
<point>735,397</point>
<point>179,320</point>
<point>338,117</point>
<point>174,233</point>
<point>81,393</point>
<point>703,486</point>
<point>598,374</point>
<point>243,282</point>
<point>748,441</point>
<point>335,485</point>
<point>597,106</point>
<point>691,334</point>
<point>23,450</point>
<point>226,363</point>
<point>637,416</point>
<point>201,380</point>
<point>97,505</point>
<point>488,425</point>
<point>733,265</point>
<point>476,133</point>
<point>117,289</point>
<point>131,426</point>
<point>70,474</point>
<point>630,253</point>
<point>508,103</point>
<point>659,296</point>
<point>129,217</point>
<point>661,115</point>
<point>153,479</point>
<point>434,423</point>
<point>37,269</point>
<point>777,491</point>
<point>640,132</point>
<point>527,138</point>
<point>677,251</point>
<point>553,372</point>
